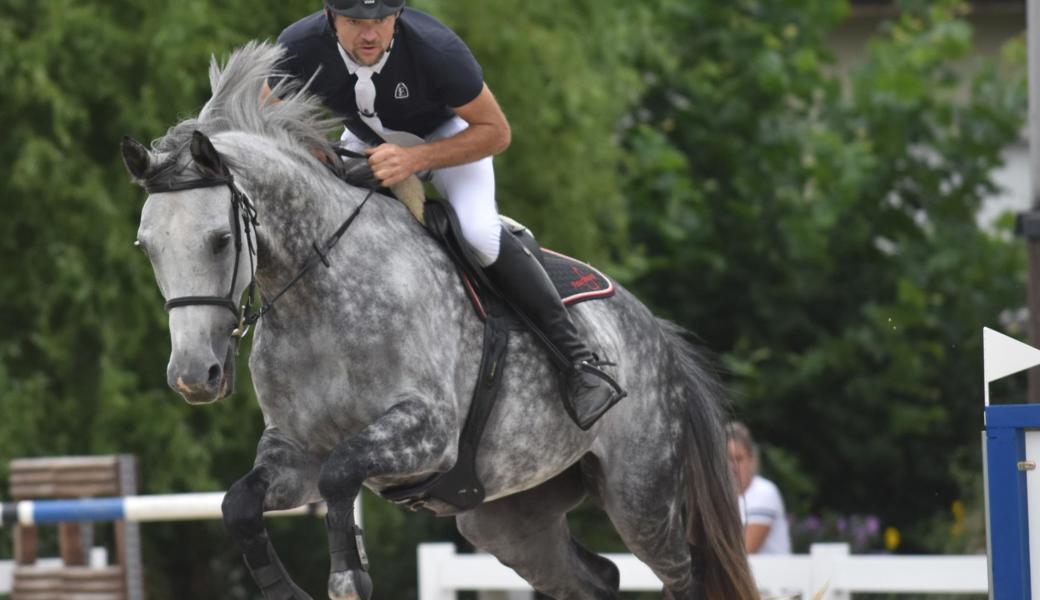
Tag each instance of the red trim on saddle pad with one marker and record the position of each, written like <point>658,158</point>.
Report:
<point>584,282</point>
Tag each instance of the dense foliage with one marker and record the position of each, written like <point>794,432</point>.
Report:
<point>822,237</point>
<point>815,230</point>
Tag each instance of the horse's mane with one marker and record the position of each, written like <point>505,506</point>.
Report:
<point>299,119</point>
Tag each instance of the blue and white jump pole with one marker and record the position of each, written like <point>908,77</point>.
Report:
<point>140,509</point>
<point>1011,453</point>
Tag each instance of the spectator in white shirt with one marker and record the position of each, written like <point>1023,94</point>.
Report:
<point>761,506</point>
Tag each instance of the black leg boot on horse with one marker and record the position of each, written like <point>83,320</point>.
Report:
<point>588,392</point>
<point>243,510</point>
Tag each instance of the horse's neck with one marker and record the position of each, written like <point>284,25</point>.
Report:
<point>294,199</point>
<point>299,204</point>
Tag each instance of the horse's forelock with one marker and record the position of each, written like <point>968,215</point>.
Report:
<point>297,120</point>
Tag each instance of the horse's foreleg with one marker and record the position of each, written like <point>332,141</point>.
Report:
<point>278,481</point>
<point>408,439</point>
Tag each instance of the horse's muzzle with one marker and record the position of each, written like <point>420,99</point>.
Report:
<point>199,383</point>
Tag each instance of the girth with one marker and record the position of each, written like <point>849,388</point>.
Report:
<point>460,486</point>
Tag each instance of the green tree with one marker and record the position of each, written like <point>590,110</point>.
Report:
<point>822,237</point>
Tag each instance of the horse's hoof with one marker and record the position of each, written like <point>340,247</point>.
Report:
<point>350,585</point>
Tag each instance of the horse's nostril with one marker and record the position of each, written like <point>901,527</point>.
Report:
<point>214,375</point>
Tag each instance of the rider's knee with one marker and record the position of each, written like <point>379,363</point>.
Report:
<point>483,237</point>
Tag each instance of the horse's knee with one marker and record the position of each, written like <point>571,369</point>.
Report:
<point>408,438</point>
<point>243,507</point>
<point>339,479</point>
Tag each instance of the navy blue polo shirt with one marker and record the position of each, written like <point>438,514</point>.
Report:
<point>429,71</point>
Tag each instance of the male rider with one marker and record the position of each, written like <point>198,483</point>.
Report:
<point>388,69</point>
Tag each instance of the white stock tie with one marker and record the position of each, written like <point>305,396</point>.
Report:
<point>365,89</point>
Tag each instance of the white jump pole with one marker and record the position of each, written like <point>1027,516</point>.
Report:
<point>140,509</point>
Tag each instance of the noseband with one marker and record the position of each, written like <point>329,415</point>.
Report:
<point>242,208</point>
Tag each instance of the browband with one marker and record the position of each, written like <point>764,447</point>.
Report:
<point>191,184</point>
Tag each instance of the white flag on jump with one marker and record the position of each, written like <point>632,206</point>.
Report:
<point>1003,355</point>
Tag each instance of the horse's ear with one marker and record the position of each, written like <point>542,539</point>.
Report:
<point>136,157</point>
<point>206,156</point>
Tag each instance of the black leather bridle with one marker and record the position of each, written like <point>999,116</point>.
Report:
<point>242,208</point>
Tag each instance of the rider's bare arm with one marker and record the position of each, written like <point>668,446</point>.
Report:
<point>488,134</point>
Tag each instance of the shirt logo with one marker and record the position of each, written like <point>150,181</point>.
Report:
<point>401,91</point>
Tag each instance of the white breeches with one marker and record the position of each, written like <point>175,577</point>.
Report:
<point>469,188</point>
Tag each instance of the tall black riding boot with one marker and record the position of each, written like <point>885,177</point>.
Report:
<point>587,391</point>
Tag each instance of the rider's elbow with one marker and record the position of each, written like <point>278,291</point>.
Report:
<point>505,137</point>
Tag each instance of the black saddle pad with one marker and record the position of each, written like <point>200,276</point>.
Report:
<point>575,281</point>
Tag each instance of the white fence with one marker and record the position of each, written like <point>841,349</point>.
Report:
<point>829,568</point>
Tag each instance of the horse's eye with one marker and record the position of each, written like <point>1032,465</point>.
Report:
<point>140,246</point>
<point>221,243</point>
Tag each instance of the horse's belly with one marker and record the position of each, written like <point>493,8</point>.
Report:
<point>529,439</point>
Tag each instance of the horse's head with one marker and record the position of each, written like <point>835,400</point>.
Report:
<point>195,230</point>
<point>197,225</point>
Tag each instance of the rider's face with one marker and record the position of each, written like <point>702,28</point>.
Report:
<point>365,39</point>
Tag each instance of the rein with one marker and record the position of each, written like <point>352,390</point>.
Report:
<point>243,208</point>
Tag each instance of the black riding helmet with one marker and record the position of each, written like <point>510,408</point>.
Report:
<point>364,9</point>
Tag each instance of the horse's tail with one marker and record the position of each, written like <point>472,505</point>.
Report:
<point>713,527</point>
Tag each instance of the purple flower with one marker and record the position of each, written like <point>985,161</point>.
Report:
<point>873,525</point>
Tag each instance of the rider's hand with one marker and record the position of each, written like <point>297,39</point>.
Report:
<point>391,163</point>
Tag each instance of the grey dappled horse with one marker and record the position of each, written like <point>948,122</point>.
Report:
<point>364,370</point>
